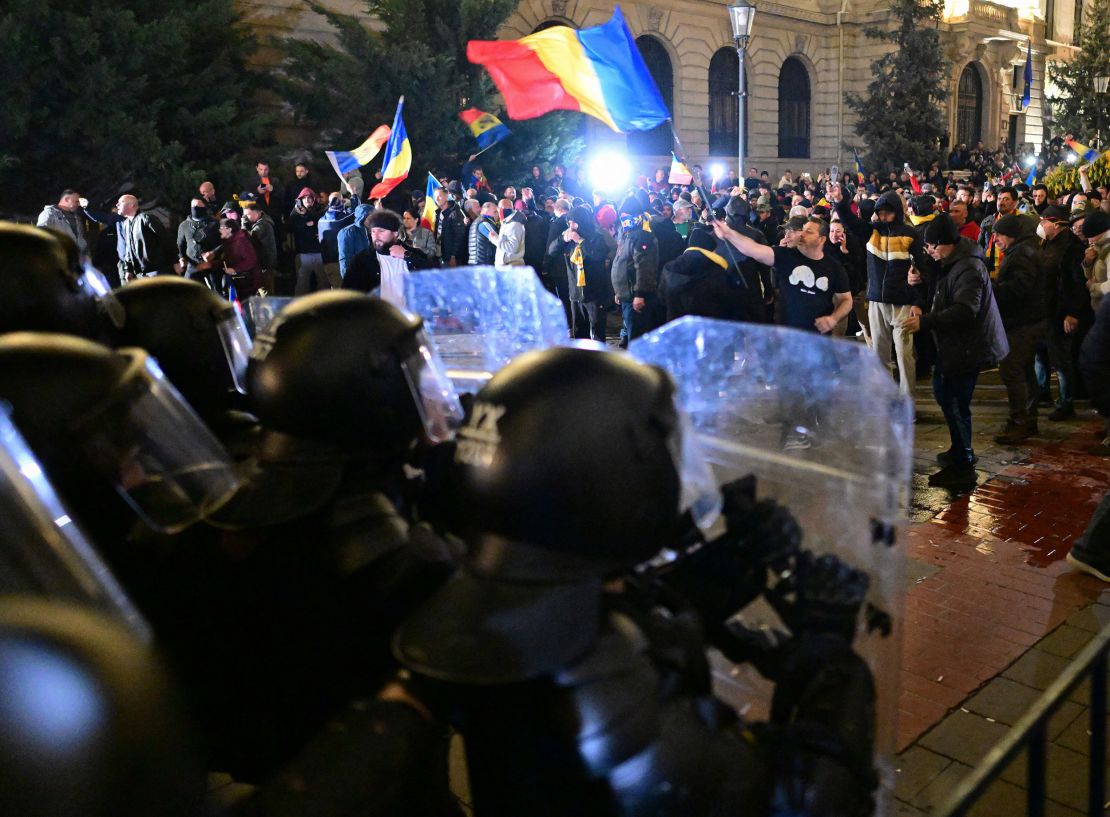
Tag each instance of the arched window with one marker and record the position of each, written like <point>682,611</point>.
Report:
<point>793,110</point>
<point>657,142</point>
<point>969,107</point>
<point>723,82</point>
<point>546,24</point>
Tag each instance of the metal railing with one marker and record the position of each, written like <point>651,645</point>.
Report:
<point>1030,732</point>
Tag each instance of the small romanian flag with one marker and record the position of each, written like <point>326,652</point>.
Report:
<point>428,217</point>
<point>1085,153</point>
<point>344,161</point>
<point>487,129</point>
<point>398,157</point>
<point>598,71</point>
<point>680,174</point>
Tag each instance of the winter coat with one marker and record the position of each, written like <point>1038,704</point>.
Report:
<point>364,273</point>
<point>239,255</point>
<point>264,240</point>
<point>1019,286</point>
<point>424,240</point>
<point>481,250</point>
<point>151,253</point>
<point>451,233</point>
<point>890,250</point>
<point>535,240</point>
<point>354,238</point>
<point>964,318</point>
<point>510,242</point>
<point>554,264</point>
<point>328,228</point>
<point>72,224</point>
<point>302,224</point>
<point>704,283</point>
<point>1098,271</point>
<point>1067,295</point>
<point>991,250</point>
<point>196,236</point>
<point>636,265</point>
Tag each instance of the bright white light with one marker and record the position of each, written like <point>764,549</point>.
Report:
<point>609,172</point>
<point>718,171</point>
<point>1030,161</point>
<point>1072,158</point>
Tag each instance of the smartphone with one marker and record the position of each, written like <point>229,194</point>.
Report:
<point>906,167</point>
<point>986,186</point>
<point>834,174</point>
<point>265,181</point>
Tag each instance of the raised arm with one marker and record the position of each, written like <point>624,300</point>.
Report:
<point>752,249</point>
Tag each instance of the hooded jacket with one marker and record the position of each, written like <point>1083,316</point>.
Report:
<point>303,226</point>
<point>890,250</point>
<point>636,265</point>
<point>702,282</point>
<point>353,239</point>
<point>265,240</point>
<point>510,241</point>
<point>328,228</point>
<point>1019,286</point>
<point>964,317</point>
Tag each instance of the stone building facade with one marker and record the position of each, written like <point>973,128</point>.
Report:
<point>803,57</point>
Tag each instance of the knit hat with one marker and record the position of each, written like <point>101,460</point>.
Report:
<point>1096,224</point>
<point>607,216</point>
<point>923,205</point>
<point>305,192</point>
<point>631,206</point>
<point>941,230</point>
<point>1012,226</point>
<point>738,208</point>
<point>700,237</point>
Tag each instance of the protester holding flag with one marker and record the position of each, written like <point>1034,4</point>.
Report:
<point>398,157</point>
<point>486,128</point>
<point>347,162</point>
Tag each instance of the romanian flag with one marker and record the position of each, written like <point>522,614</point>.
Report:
<point>344,161</point>
<point>859,167</point>
<point>680,174</point>
<point>1085,153</point>
<point>1031,179</point>
<point>598,71</point>
<point>487,129</point>
<point>398,158</point>
<point>428,217</point>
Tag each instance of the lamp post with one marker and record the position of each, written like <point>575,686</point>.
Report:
<point>741,14</point>
<point>1100,89</point>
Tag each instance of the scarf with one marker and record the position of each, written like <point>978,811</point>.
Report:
<point>712,256</point>
<point>579,264</point>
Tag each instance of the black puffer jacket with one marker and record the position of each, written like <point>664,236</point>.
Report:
<point>1066,285</point>
<point>890,250</point>
<point>1020,284</point>
<point>964,319</point>
<point>696,283</point>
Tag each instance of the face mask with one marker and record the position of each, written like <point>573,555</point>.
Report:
<point>1040,232</point>
<point>199,212</point>
<point>506,212</point>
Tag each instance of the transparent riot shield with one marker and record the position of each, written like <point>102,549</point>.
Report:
<point>825,431</point>
<point>261,311</point>
<point>479,318</point>
<point>42,551</point>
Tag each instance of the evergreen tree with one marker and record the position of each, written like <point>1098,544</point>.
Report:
<point>901,118</point>
<point>417,49</point>
<point>1076,108</point>
<point>105,94</point>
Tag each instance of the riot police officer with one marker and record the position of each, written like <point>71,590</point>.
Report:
<point>572,696</point>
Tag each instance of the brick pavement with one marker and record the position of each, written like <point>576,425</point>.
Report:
<point>992,611</point>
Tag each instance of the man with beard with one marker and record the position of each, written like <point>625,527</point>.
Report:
<point>450,230</point>
<point>68,217</point>
<point>386,262</point>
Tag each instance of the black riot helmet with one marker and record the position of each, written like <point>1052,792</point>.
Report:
<point>40,289</point>
<point>343,368</point>
<point>88,724</point>
<point>199,340</point>
<point>100,419</point>
<point>582,452</point>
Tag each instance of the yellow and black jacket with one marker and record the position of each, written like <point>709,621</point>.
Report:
<point>891,249</point>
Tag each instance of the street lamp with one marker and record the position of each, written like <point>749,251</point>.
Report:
<point>741,14</point>
<point>1100,89</point>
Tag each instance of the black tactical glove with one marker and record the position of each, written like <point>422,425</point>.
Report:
<point>821,594</point>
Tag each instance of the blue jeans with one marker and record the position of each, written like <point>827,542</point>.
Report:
<point>953,394</point>
<point>636,323</point>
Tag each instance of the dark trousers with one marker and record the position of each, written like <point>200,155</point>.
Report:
<point>1095,541</point>
<point>953,393</point>
<point>1019,374</point>
<point>587,320</point>
<point>1061,357</point>
<point>636,323</point>
<point>1094,360</point>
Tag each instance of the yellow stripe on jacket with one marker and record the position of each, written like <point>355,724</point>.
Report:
<point>890,247</point>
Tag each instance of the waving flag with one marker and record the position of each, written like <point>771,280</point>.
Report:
<point>598,71</point>
<point>1028,75</point>
<point>428,217</point>
<point>1031,179</point>
<point>398,158</point>
<point>680,174</point>
<point>1085,153</point>
<point>859,167</point>
<point>344,161</point>
<point>486,128</point>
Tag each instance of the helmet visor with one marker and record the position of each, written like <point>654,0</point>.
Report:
<point>237,344</point>
<point>700,494</point>
<point>434,393</point>
<point>41,548</point>
<point>163,460</point>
